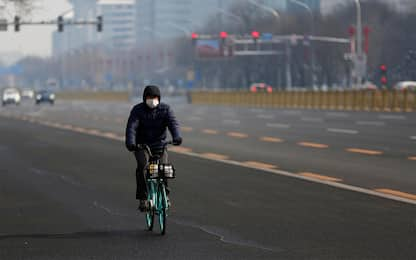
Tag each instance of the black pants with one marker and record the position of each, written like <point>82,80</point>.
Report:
<point>142,158</point>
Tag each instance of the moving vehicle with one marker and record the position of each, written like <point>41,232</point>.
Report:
<point>45,96</point>
<point>261,88</point>
<point>11,96</point>
<point>28,93</point>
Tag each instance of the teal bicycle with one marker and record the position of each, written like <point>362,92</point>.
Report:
<point>157,174</point>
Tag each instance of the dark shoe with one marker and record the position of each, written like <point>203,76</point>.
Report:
<point>143,205</point>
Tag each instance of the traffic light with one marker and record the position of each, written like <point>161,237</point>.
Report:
<point>60,24</point>
<point>194,37</point>
<point>255,35</point>
<point>16,23</point>
<point>223,35</point>
<point>383,75</point>
<point>99,23</point>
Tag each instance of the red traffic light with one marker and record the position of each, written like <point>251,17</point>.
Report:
<point>223,35</point>
<point>255,35</point>
<point>194,36</point>
<point>383,67</point>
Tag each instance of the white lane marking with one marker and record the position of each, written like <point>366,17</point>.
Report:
<point>256,110</point>
<point>413,137</point>
<point>342,131</point>
<point>261,116</point>
<point>394,117</point>
<point>231,122</point>
<point>290,112</point>
<point>312,119</point>
<point>337,114</point>
<point>273,125</point>
<point>372,123</point>
<point>194,118</point>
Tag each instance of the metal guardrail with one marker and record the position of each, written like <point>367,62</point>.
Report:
<point>355,100</point>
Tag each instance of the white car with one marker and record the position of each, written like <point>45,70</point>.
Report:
<point>11,96</point>
<point>28,93</point>
<point>411,85</point>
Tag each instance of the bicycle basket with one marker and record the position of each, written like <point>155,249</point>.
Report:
<point>153,171</point>
<point>167,171</point>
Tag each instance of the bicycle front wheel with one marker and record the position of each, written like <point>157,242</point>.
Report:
<point>150,214</point>
<point>162,208</point>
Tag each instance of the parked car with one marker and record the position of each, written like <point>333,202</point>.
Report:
<point>261,87</point>
<point>28,93</point>
<point>410,85</point>
<point>11,96</point>
<point>45,96</point>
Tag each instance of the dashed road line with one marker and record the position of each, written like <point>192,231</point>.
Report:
<point>237,135</point>
<point>413,138</point>
<point>187,129</point>
<point>312,119</point>
<point>394,117</point>
<point>194,118</point>
<point>313,145</point>
<point>231,122</point>
<point>319,177</point>
<point>215,156</point>
<point>371,123</point>
<point>342,131</point>
<point>210,131</point>
<point>180,149</point>
<point>397,193</point>
<point>337,114</point>
<point>260,165</point>
<point>261,116</point>
<point>364,151</point>
<point>275,125</point>
<point>271,139</point>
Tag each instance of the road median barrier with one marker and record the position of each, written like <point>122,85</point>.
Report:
<point>353,100</point>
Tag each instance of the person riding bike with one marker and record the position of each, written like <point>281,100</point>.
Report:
<point>147,125</point>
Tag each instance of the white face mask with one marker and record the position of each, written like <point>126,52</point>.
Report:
<point>152,103</point>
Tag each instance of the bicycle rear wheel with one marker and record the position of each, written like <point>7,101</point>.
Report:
<point>162,208</point>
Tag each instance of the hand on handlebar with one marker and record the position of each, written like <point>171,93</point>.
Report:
<point>177,141</point>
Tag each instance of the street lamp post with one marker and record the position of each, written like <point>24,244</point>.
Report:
<point>313,62</point>
<point>360,56</point>
<point>288,54</point>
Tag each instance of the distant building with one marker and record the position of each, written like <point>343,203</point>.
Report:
<point>119,24</point>
<point>170,18</point>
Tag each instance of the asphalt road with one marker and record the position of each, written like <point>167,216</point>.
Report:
<point>70,195</point>
<point>375,151</point>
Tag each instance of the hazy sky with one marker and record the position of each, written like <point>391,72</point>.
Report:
<point>34,40</point>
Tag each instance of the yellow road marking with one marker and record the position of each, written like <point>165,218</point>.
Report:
<point>215,156</point>
<point>237,135</point>
<point>186,129</point>
<point>260,165</point>
<point>180,149</point>
<point>271,139</point>
<point>210,132</point>
<point>412,158</point>
<point>313,145</point>
<point>397,193</point>
<point>364,151</point>
<point>319,177</point>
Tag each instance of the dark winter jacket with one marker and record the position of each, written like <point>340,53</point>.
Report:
<point>148,126</point>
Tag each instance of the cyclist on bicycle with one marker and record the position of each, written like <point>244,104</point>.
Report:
<point>147,125</point>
